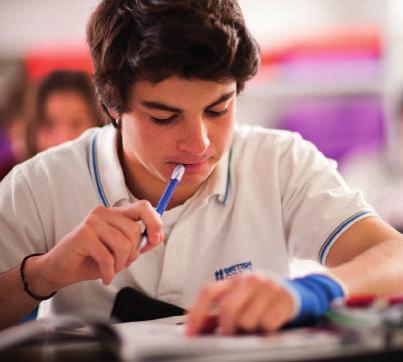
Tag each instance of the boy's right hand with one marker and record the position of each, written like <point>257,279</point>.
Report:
<point>105,243</point>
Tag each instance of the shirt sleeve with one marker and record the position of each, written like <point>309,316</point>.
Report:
<point>318,205</point>
<point>21,229</point>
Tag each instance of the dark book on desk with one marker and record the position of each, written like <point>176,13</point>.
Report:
<point>132,306</point>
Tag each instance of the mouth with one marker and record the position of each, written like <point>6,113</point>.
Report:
<point>191,166</point>
<point>190,162</point>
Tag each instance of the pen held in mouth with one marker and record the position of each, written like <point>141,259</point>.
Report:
<point>176,177</point>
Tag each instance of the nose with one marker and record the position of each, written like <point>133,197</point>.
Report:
<point>195,139</point>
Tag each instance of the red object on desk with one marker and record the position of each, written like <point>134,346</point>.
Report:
<point>362,301</point>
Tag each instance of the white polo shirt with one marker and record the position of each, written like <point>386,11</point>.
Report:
<point>273,196</point>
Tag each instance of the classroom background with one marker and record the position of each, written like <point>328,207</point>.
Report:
<point>331,70</point>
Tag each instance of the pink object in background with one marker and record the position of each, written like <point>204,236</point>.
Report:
<point>338,126</point>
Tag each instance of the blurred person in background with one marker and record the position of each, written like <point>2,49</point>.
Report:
<point>13,147</point>
<point>379,175</point>
<point>59,109</point>
<point>63,107</point>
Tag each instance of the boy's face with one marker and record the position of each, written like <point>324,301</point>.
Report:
<point>177,121</point>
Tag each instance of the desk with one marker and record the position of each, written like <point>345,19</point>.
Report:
<point>60,352</point>
<point>74,351</point>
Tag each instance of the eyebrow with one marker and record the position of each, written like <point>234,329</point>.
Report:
<point>166,107</point>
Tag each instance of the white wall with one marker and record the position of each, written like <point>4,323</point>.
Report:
<point>275,21</point>
<point>25,23</point>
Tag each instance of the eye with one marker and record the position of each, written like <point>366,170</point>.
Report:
<point>164,121</point>
<point>216,114</point>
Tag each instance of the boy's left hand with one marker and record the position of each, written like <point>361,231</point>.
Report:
<point>247,303</point>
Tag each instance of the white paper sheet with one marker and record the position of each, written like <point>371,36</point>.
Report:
<point>164,338</point>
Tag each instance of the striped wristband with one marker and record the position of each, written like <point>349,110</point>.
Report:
<point>314,295</point>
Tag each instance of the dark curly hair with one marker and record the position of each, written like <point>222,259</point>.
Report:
<point>152,40</point>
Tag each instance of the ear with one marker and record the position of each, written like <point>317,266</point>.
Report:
<point>113,113</point>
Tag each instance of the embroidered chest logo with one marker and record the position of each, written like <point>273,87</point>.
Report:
<point>226,273</point>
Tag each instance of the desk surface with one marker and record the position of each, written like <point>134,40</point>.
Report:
<point>60,352</point>
<point>94,351</point>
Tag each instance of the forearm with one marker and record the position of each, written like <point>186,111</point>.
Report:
<point>15,303</point>
<point>378,270</point>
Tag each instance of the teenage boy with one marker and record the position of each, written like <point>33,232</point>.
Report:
<point>169,72</point>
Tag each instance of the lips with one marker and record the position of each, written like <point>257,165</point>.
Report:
<point>194,163</point>
<point>192,166</point>
<point>190,162</point>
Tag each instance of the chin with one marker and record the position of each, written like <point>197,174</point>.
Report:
<point>194,179</point>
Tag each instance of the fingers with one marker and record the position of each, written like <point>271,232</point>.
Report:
<point>203,306</point>
<point>233,304</point>
<point>143,210</point>
<point>125,220</point>
<point>150,245</point>
<point>116,242</point>
<point>270,309</point>
<point>105,262</point>
<point>210,324</point>
<point>119,232</point>
<point>121,235</point>
<point>254,312</point>
<point>248,303</point>
<point>278,313</point>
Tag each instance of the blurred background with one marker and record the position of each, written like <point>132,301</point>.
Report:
<point>331,70</point>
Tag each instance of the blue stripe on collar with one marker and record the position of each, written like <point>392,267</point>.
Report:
<point>95,172</point>
<point>336,232</point>
<point>228,185</point>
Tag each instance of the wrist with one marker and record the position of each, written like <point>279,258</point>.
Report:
<point>37,276</point>
<point>315,293</point>
<point>336,278</point>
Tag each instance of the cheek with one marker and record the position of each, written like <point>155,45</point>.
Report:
<point>144,138</point>
<point>222,132</point>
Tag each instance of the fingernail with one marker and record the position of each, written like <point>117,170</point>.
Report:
<point>156,238</point>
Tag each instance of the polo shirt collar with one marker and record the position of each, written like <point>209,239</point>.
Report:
<point>106,170</point>
<point>220,183</point>
<point>108,177</point>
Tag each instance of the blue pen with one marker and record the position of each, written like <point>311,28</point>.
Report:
<point>165,198</point>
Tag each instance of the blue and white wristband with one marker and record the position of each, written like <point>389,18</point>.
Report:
<point>313,296</point>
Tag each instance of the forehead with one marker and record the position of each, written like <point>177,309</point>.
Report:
<point>181,92</point>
